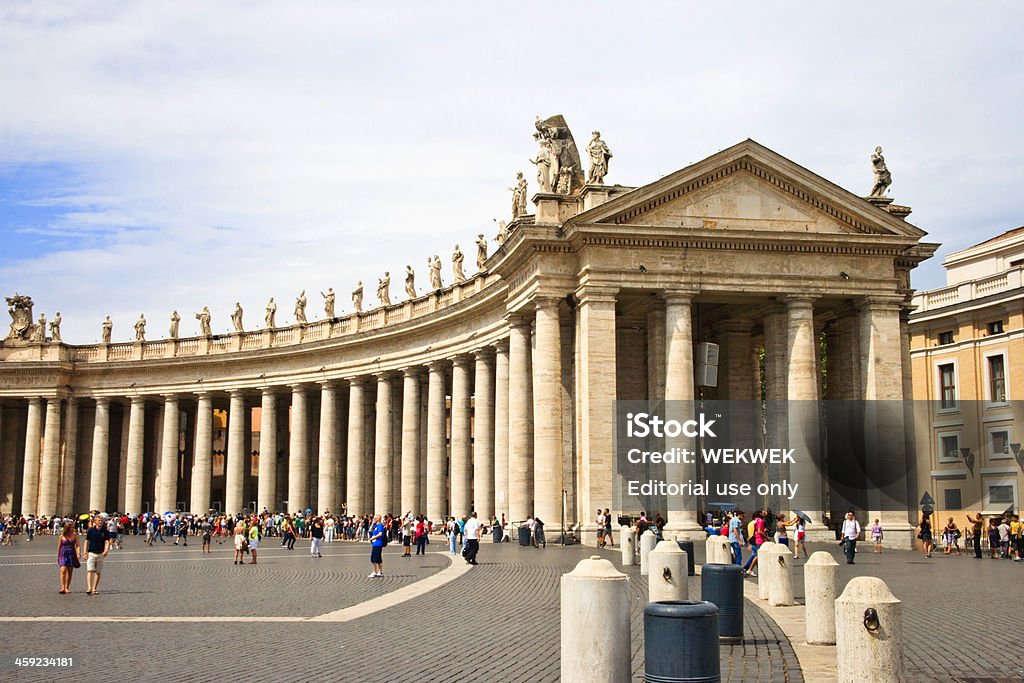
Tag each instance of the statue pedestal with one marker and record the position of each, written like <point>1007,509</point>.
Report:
<point>137,350</point>
<point>554,209</point>
<point>880,202</point>
<point>594,195</point>
<point>885,203</point>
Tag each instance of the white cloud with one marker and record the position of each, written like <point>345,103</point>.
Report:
<point>221,152</point>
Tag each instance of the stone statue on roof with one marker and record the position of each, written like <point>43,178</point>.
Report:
<point>328,302</point>
<point>384,289</point>
<point>300,308</point>
<point>599,156</point>
<point>108,328</point>
<point>410,282</point>
<point>457,258</point>
<point>140,328</point>
<point>357,297</point>
<point>204,319</point>
<point>236,317</point>
<point>55,328</point>
<point>557,151</point>
<point>175,322</point>
<point>435,272</point>
<point>270,314</point>
<point>519,196</point>
<point>19,307</point>
<point>481,252</point>
<point>882,177</point>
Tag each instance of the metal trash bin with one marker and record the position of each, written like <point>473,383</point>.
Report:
<point>524,535</point>
<point>722,584</point>
<point>687,547</point>
<point>496,533</point>
<point>681,642</point>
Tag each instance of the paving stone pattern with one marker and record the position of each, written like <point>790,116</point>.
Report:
<point>499,622</point>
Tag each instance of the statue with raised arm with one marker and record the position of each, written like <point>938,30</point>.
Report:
<point>328,303</point>
<point>882,177</point>
<point>384,289</point>
<point>481,252</point>
<point>108,328</point>
<point>547,166</point>
<point>236,317</point>
<point>410,282</point>
<point>599,156</point>
<point>175,321</point>
<point>502,233</point>
<point>457,259</point>
<point>271,313</point>
<point>519,196</point>
<point>140,328</point>
<point>204,319</point>
<point>357,297</point>
<point>435,272</point>
<point>55,328</point>
<point>300,308</point>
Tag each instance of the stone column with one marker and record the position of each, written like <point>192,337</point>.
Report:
<point>356,475</point>
<point>49,474</point>
<point>437,474</point>
<point>383,445</point>
<point>168,493</point>
<point>462,473</point>
<point>501,428</point>
<point>100,456</point>
<point>8,457</point>
<point>885,441</point>
<point>327,472</point>
<point>267,484</point>
<point>483,435</point>
<point>235,466</point>
<point>597,389</point>
<point>30,473</point>
<point>803,428</point>
<point>202,466</point>
<point>679,388</point>
<point>298,452</point>
<point>547,411</point>
<point>656,354</point>
<point>66,502</point>
<point>133,470</point>
<point>520,421</point>
<point>734,361</point>
<point>411,441</point>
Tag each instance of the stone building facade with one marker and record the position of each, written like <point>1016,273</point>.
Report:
<point>967,351</point>
<point>495,393</point>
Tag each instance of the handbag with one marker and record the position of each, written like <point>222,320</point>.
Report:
<point>75,562</point>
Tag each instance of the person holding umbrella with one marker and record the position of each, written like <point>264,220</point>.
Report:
<point>799,524</point>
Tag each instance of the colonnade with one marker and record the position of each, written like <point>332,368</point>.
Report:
<point>483,430</point>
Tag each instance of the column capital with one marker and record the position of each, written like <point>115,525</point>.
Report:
<point>518,319</point>
<point>501,346</point>
<point>358,381</point>
<point>463,360</point>
<point>798,300</point>
<point>438,365</point>
<point>547,301</point>
<point>593,294</point>
<point>737,325</point>
<point>385,376</point>
<point>170,398</point>
<point>105,400</point>
<point>679,295</point>
<point>880,302</point>
<point>237,392</point>
<point>299,388</point>
<point>413,371</point>
<point>483,352</point>
<point>327,384</point>
<point>269,391</point>
<point>138,400</point>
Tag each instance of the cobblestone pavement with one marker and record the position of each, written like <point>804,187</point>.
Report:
<point>498,622</point>
<point>962,617</point>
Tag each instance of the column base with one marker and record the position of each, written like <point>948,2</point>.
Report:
<point>902,537</point>
<point>819,533</point>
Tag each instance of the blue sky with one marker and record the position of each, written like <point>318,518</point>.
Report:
<point>170,156</point>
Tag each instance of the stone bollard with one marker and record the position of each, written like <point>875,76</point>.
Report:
<point>719,551</point>
<point>762,578</point>
<point>869,633</point>
<point>596,643</point>
<point>821,584</point>
<point>647,542</point>
<point>780,583</point>
<point>627,542</point>
<point>667,575</point>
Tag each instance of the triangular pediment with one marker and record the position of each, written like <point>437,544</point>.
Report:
<point>751,188</point>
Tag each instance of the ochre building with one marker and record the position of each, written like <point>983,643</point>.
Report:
<point>495,393</point>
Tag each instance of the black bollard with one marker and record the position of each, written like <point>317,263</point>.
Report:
<point>687,547</point>
<point>722,584</point>
<point>681,642</point>
<point>496,534</point>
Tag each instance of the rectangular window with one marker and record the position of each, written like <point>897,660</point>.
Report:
<point>947,385</point>
<point>997,379</point>
<point>949,447</point>
<point>1000,494</point>
<point>999,442</point>
<point>945,338</point>
<point>953,499</point>
<point>995,327</point>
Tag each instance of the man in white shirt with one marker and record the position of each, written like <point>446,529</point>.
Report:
<point>472,538</point>
<point>851,531</point>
